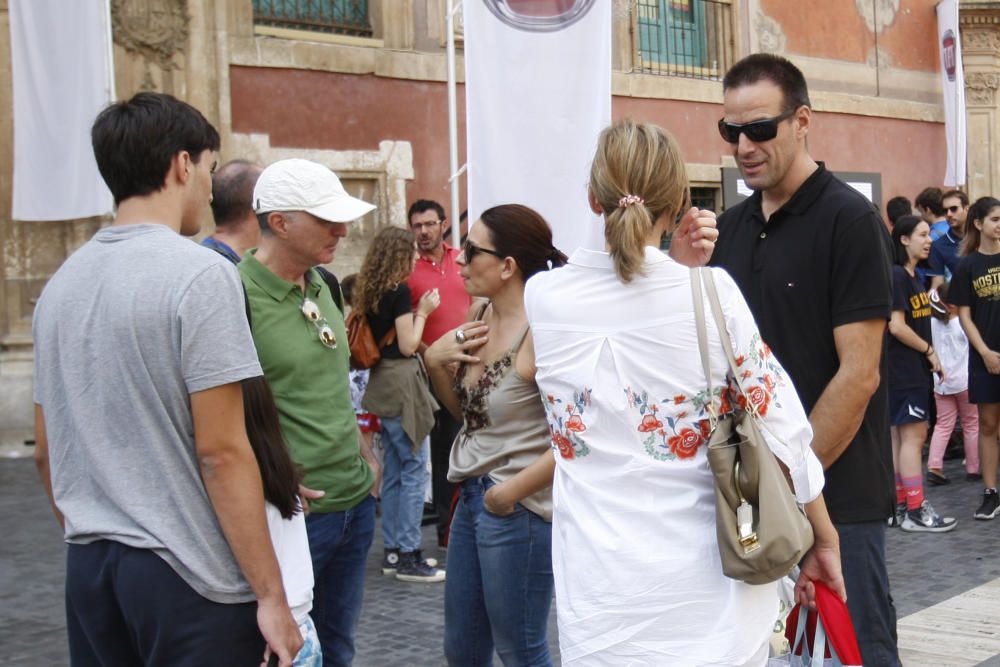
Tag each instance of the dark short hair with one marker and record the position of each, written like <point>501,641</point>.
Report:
<point>952,194</point>
<point>347,284</point>
<point>903,226</point>
<point>770,67</point>
<point>232,191</point>
<point>422,205</point>
<point>930,198</point>
<point>520,232</point>
<point>897,208</point>
<point>135,140</point>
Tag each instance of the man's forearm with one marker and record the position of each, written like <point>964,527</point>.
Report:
<point>42,463</point>
<point>234,488</point>
<point>837,415</point>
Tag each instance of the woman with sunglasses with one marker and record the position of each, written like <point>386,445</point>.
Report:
<point>398,395</point>
<point>499,587</point>
<point>636,561</point>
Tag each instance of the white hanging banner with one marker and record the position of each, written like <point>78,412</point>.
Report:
<point>61,70</point>
<point>953,88</point>
<point>538,93</point>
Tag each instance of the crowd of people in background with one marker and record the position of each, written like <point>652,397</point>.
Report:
<point>943,359</point>
<point>216,455</point>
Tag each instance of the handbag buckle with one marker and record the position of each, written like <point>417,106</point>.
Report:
<point>744,523</point>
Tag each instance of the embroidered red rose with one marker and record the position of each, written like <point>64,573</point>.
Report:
<point>759,398</point>
<point>706,428</point>
<point>564,445</point>
<point>740,359</point>
<point>551,398</point>
<point>769,383</point>
<point>649,423</point>
<point>575,424</point>
<point>725,405</point>
<point>685,444</point>
<point>679,399</point>
<point>745,374</point>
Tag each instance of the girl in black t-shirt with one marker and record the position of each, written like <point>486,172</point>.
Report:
<point>398,394</point>
<point>911,361</point>
<point>975,289</point>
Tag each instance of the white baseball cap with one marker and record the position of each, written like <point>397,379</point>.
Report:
<point>304,185</point>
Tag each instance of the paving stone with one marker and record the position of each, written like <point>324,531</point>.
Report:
<point>402,624</point>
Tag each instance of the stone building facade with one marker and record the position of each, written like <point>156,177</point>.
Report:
<point>366,95</point>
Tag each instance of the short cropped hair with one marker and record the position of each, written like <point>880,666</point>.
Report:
<point>930,198</point>
<point>897,208</point>
<point>422,205</point>
<point>232,191</point>
<point>135,140</point>
<point>770,67</point>
<point>952,194</point>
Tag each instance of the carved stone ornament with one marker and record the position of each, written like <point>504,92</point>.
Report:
<point>981,87</point>
<point>155,29</point>
<point>770,37</point>
<point>981,39</point>
<point>878,14</point>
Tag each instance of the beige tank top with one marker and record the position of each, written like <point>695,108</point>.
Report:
<point>505,428</point>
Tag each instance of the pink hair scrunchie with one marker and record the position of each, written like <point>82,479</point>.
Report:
<point>628,200</point>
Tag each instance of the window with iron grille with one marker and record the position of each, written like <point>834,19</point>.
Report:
<point>341,17</point>
<point>692,38</point>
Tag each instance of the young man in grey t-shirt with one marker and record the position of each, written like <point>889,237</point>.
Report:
<point>141,341</point>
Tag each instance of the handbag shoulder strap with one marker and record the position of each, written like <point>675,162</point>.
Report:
<point>727,342</point>
<point>699,319</point>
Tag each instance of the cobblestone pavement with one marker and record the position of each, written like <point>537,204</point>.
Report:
<point>401,623</point>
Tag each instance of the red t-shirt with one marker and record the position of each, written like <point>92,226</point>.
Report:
<point>455,301</point>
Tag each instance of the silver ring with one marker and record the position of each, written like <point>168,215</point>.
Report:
<point>460,336</point>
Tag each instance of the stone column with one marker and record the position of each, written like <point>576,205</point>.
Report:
<point>979,23</point>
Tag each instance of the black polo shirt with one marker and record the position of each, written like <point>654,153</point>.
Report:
<point>821,261</point>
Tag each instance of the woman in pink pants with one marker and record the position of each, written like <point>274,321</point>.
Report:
<point>951,394</point>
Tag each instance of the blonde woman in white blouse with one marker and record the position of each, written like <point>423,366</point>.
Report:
<point>637,572</point>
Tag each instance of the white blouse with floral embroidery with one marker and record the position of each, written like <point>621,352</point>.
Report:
<point>635,557</point>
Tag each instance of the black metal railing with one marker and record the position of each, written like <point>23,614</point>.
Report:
<point>341,17</point>
<point>692,38</point>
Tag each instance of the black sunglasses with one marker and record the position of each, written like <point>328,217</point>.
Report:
<point>470,250</point>
<point>757,131</point>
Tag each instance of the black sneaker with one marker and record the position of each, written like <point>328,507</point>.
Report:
<point>897,516</point>
<point>990,506</point>
<point>390,561</point>
<point>414,568</point>
<point>925,520</point>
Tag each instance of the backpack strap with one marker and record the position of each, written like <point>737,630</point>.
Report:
<point>334,285</point>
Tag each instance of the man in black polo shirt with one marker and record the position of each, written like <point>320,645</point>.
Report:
<point>811,256</point>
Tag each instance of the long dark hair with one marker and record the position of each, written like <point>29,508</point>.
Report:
<point>520,232</point>
<point>978,211</point>
<point>904,226</point>
<point>279,474</point>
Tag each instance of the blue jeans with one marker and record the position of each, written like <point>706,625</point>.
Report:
<point>404,478</point>
<point>499,586</point>
<point>339,543</point>
<point>862,554</point>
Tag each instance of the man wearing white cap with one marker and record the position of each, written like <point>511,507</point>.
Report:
<point>299,333</point>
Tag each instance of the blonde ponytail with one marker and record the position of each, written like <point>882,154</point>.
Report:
<point>638,175</point>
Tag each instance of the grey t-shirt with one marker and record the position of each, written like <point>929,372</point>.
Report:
<point>135,321</point>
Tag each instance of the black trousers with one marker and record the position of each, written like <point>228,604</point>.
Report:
<point>442,436</point>
<point>127,607</point>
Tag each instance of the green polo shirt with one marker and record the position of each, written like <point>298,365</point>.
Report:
<point>310,384</point>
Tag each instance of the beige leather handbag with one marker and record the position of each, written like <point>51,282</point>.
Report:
<point>763,532</point>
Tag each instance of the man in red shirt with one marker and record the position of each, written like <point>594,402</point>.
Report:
<point>436,269</point>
